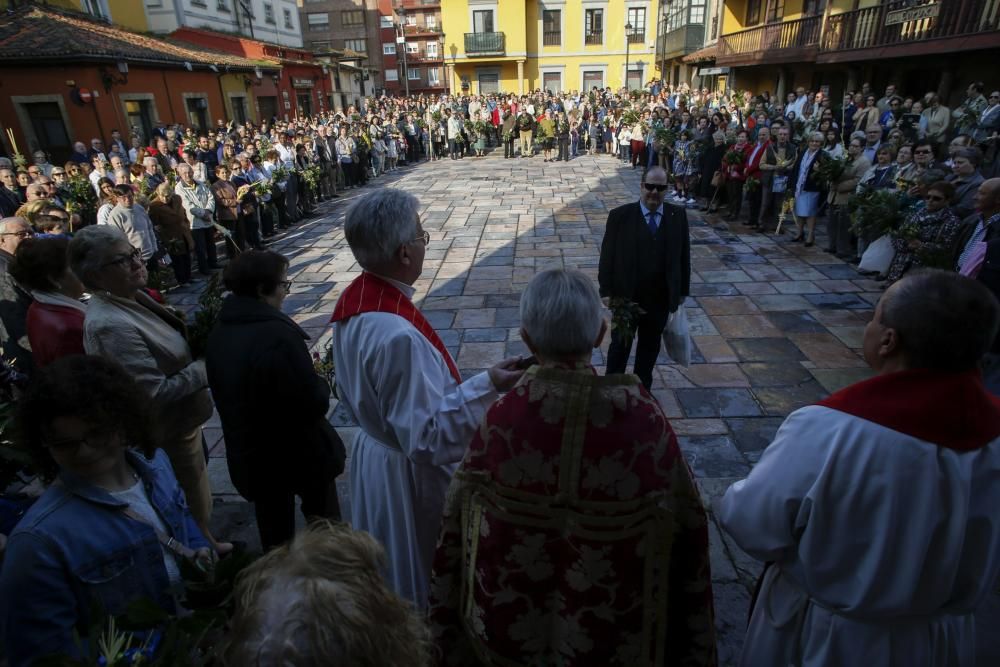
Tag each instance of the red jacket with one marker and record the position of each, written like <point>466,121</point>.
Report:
<point>753,166</point>
<point>54,332</point>
<point>736,172</point>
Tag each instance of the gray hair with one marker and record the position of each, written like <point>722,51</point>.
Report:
<point>379,223</point>
<point>561,313</point>
<point>719,135</point>
<point>818,136</point>
<point>89,248</point>
<point>11,220</point>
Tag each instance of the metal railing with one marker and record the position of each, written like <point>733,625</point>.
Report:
<point>907,22</point>
<point>483,43</point>
<point>552,38</point>
<point>773,37</point>
<point>637,37</point>
<point>593,38</point>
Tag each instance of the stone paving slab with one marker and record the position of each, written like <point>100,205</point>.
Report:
<point>775,325</point>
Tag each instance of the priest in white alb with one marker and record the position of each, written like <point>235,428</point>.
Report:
<point>396,377</point>
<point>878,509</point>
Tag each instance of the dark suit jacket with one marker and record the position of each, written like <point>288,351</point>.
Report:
<point>628,251</point>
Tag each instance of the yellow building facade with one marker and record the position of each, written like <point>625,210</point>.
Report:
<point>517,46</point>
<point>129,14</point>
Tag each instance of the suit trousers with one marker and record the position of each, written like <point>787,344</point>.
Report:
<point>649,331</point>
<point>563,145</point>
<point>838,227</point>
<point>508,147</point>
<point>204,248</point>
<point>292,198</point>
<point>734,196</point>
<point>755,200</point>
<point>275,508</point>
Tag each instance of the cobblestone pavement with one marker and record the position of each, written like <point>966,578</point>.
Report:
<point>775,325</point>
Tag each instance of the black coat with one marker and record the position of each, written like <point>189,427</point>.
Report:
<point>629,252</point>
<point>271,401</point>
<point>813,182</point>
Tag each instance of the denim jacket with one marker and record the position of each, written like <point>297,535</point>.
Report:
<point>74,547</point>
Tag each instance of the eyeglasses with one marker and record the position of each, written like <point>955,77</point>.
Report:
<point>923,151</point>
<point>135,257</point>
<point>58,173</point>
<point>287,284</point>
<point>654,187</point>
<point>425,237</point>
<point>24,233</point>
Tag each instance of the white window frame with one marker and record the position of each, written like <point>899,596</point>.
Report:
<point>430,21</point>
<point>603,69</point>
<point>388,49</point>
<point>434,76</point>
<point>410,19</point>
<point>432,49</point>
<point>289,21</point>
<point>604,24</point>
<point>412,47</point>
<point>364,44</point>
<point>413,73</point>
<point>324,21</point>
<point>385,22</point>
<point>391,75</point>
<point>269,13</point>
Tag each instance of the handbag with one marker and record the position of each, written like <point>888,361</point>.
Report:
<point>717,179</point>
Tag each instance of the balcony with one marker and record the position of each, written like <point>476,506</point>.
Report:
<point>637,37</point>
<point>484,44</point>
<point>593,38</point>
<point>680,42</point>
<point>784,42</point>
<point>411,30</point>
<point>423,57</point>
<point>416,4</point>
<point>900,29</point>
<point>551,38</point>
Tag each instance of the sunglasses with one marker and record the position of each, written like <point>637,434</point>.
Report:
<point>654,187</point>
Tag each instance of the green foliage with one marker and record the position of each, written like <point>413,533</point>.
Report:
<point>205,318</point>
<point>831,169</point>
<point>81,198</point>
<point>875,213</point>
<point>625,316</point>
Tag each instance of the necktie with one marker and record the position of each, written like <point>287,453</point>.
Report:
<point>977,236</point>
<point>651,221</point>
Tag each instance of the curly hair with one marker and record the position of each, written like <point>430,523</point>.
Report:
<point>321,600</point>
<point>95,390</point>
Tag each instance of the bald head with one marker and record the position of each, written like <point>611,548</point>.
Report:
<point>654,188</point>
<point>987,198</point>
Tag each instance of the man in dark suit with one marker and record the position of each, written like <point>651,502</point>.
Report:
<point>646,259</point>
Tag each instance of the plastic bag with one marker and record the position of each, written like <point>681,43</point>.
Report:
<point>677,337</point>
<point>878,256</point>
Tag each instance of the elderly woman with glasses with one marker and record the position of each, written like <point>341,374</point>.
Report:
<point>123,323</point>
<point>258,367</point>
<point>927,235</point>
<point>111,531</point>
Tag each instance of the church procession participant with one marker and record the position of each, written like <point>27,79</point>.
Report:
<point>396,377</point>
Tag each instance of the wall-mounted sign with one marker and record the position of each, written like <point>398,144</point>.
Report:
<point>713,71</point>
<point>302,83</point>
<point>913,14</point>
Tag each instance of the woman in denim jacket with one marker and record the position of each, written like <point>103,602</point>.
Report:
<point>99,533</point>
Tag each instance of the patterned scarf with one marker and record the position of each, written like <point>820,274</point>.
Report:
<point>370,294</point>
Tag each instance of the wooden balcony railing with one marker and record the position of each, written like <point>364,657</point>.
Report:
<point>774,42</point>
<point>898,23</point>
<point>484,43</point>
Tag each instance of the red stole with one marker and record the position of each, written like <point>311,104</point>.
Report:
<point>370,294</point>
<point>951,410</point>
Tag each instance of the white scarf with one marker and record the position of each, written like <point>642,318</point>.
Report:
<point>57,299</point>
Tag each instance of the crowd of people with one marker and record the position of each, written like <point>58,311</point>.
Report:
<point>497,519</point>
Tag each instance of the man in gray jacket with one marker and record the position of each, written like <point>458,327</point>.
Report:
<point>199,206</point>
<point>135,223</point>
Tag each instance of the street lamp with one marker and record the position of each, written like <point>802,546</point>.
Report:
<point>628,41</point>
<point>401,41</point>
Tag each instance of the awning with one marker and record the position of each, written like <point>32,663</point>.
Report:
<point>704,55</point>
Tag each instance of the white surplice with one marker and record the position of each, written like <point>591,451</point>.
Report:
<point>883,544</point>
<point>416,424</point>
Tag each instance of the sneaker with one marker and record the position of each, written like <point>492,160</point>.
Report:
<point>690,200</point>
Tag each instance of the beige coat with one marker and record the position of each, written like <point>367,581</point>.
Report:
<point>149,343</point>
<point>849,180</point>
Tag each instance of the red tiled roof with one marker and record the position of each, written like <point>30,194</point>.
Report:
<point>38,35</point>
<point>701,55</point>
